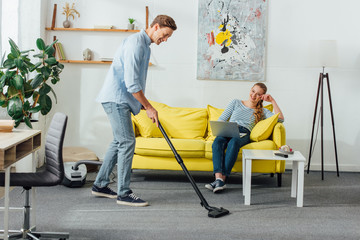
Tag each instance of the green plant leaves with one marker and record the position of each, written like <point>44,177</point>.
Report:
<point>14,108</point>
<point>37,81</point>
<point>35,66</point>
<point>12,92</point>
<point>17,82</point>
<point>9,64</point>
<point>21,96</point>
<point>51,61</point>
<point>14,48</point>
<point>28,90</point>
<point>40,44</point>
<point>2,99</point>
<point>27,122</point>
<point>46,104</point>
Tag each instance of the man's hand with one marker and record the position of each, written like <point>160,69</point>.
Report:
<point>153,115</point>
<point>150,110</point>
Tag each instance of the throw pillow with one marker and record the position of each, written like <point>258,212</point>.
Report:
<point>269,107</point>
<point>214,114</point>
<point>145,125</point>
<point>263,129</point>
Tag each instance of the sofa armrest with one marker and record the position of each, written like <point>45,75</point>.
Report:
<point>279,135</point>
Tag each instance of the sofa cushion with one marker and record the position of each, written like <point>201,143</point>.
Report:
<point>192,148</point>
<point>184,123</point>
<point>263,145</point>
<point>263,129</point>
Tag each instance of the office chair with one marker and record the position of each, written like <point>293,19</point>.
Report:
<point>52,175</point>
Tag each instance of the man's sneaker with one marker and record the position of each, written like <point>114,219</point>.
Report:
<point>130,199</point>
<point>216,186</point>
<point>103,192</point>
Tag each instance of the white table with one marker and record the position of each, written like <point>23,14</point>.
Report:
<point>297,180</point>
<point>14,146</point>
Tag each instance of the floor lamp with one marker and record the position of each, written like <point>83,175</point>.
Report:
<point>325,53</point>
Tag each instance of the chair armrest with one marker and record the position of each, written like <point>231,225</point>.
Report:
<point>279,135</point>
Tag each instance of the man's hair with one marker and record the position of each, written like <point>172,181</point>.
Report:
<point>164,21</point>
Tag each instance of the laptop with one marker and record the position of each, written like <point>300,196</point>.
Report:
<point>225,129</point>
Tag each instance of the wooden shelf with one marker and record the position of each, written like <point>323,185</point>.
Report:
<point>91,62</point>
<point>83,61</point>
<point>91,29</point>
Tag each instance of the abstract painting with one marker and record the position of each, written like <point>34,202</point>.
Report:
<point>231,39</point>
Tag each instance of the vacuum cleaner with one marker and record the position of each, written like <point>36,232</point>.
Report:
<point>214,212</point>
<point>75,173</point>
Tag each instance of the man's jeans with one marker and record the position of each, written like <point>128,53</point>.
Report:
<point>224,162</point>
<point>121,149</point>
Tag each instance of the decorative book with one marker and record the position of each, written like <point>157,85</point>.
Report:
<point>59,51</point>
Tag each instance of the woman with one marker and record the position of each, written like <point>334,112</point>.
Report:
<point>246,113</point>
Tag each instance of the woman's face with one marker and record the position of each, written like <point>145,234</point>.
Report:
<point>255,94</point>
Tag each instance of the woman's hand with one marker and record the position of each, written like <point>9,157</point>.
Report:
<point>267,98</point>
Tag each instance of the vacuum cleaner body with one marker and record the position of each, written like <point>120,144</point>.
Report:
<point>75,172</point>
<point>74,178</point>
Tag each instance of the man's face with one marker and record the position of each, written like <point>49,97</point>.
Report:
<point>162,35</point>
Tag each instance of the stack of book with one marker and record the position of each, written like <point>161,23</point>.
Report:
<point>59,51</point>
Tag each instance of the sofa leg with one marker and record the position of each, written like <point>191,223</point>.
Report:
<point>279,175</point>
<point>271,174</point>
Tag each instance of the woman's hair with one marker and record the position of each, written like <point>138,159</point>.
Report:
<point>258,112</point>
<point>164,21</point>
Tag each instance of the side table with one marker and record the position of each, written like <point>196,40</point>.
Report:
<point>297,180</point>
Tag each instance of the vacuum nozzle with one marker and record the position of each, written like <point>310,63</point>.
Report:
<point>217,212</point>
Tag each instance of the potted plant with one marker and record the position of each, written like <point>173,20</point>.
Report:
<point>24,85</point>
<point>69,12</point>
<point>131,24</point>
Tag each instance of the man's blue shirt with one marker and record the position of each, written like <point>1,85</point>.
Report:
<point>127,73</point>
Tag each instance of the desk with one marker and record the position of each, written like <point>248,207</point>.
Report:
<point>297,180</point>
<point>14,146</point>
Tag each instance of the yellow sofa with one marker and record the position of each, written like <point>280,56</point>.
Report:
<point>191,135</point>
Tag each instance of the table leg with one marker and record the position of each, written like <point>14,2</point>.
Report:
<point>294,178</point>
<point>6,205</point>
<point>300,185</point>
<point>248,163</point>
<point>33,196</point>
<point>243,173</point>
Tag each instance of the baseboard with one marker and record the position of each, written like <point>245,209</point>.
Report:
<point>330,167</point>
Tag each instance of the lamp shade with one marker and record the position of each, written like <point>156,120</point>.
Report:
<point>323,53</point>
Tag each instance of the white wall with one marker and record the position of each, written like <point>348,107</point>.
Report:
<point>172,79</point>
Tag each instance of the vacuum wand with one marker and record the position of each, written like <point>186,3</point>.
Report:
<point>213,211</point>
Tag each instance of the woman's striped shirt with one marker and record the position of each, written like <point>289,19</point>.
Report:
<point>237,112</point>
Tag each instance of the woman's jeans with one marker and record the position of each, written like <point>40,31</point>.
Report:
<point>223,161</point>
<point>121,149</point>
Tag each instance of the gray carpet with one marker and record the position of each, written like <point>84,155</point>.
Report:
<point>331,209</point>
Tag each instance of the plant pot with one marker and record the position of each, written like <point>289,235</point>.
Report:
<point>131,26</point>
<point>66,23</point>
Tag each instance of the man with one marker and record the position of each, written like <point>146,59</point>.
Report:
<point>121,95</point>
